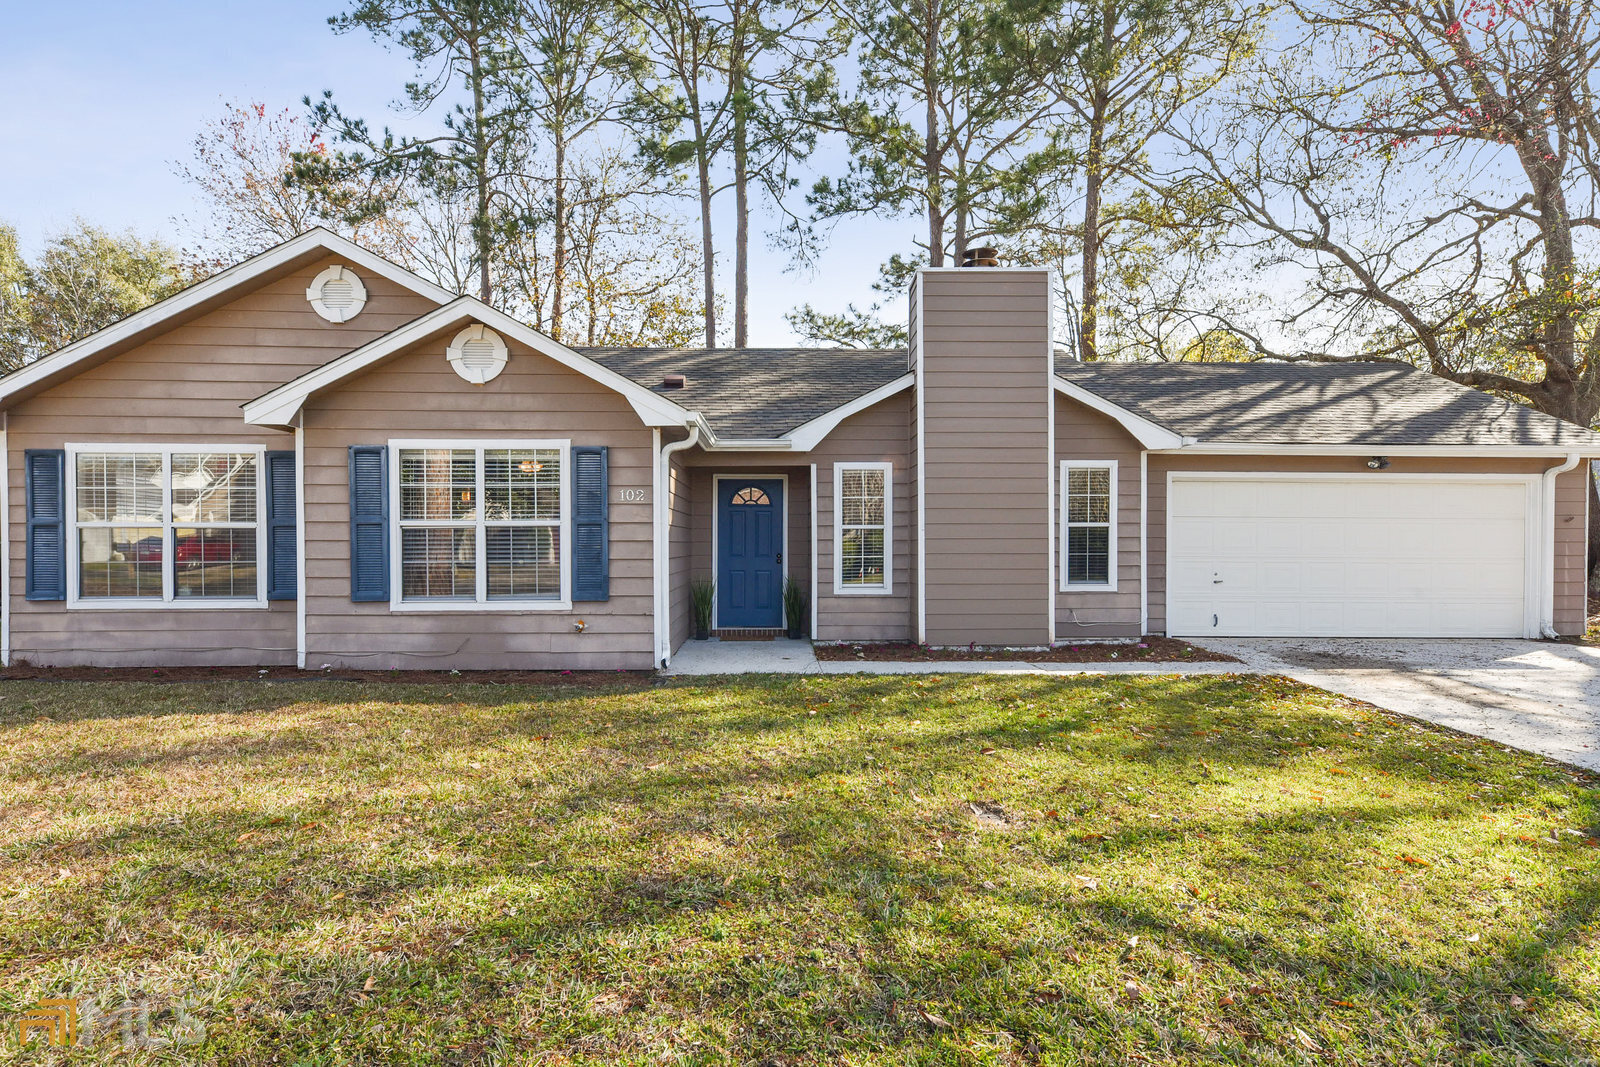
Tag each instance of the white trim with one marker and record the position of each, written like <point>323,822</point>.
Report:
<point>5,549</point>
<point>456,355</point>
<point>213,287</point>
<point>1144,543</point>
<point>1510,451</point>
<point>300,544</point>
<point>168,524</point>
<point>1148,434</point>
<point>887,588</point>
<point>1530,597</point>
<point>657,558</point>
<point>1547,543</point>
<point>663,514</point>
<point>480,601</point>
<point>278,407</point>
<point>917,369</point>
<point>1052,540</point>
<point>815,592</point>
<point>1114,505</point>
<point>808,435</point>
<point>336,273</point>
<point>716,530</point>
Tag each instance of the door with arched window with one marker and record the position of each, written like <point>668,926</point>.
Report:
<point>750,552</point>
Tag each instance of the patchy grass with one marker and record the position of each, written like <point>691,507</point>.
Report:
<point>860,870</point>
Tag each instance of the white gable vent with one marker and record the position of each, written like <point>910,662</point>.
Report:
<point>337,294</point>
<point>478,354</point>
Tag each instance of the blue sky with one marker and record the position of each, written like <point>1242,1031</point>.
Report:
<point>103,98</point>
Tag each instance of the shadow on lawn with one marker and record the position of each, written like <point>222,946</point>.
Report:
<point>742,827</point>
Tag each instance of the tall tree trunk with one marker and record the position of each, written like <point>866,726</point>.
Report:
<point>930,151</point>
<point>741,187</point>
<point>558,281</point>
<point>707,249</point>
<point>1093,190</point>
<point>482,238</point>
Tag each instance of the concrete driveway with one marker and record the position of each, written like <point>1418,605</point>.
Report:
<point>1535,695</point>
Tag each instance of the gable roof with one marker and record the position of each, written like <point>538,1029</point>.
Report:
<point>197,299</point>
<point>280,406</point>
<point>759,394</point>
<point>1371,405</point>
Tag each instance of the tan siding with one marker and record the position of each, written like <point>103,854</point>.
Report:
<point>1570,503</point>
<point>1571,539</point>
<point>417,395</point>
<point>185,385</point>
<point>680,551</point>
<point>881,434</point>
<point>1084,434</point>
<point>985,378</point>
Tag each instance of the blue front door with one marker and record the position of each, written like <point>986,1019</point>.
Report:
<point>749,552</point>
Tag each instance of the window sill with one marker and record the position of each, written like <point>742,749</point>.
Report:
<point>863,590</point>
<point>1111,588</point>
<point>164,605</point>
<point>499,607</point>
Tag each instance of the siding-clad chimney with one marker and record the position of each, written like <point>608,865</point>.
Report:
<point>980,347</point>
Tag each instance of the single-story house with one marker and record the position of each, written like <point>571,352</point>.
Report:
<point>318,458</point>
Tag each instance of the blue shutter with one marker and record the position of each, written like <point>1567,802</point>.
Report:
<point>45,488</point>
<point>591,542</point>
<point>369,522</point>
<point>281,554</point>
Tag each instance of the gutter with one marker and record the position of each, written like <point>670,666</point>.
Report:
<point>1547,594</point>
<point>663,514</point>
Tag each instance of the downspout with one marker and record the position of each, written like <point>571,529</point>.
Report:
<point>663,543</point>
<point>1547,593</point>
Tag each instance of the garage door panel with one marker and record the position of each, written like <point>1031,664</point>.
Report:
<point>1286,556</point>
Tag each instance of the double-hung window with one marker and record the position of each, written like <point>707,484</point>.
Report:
<point>165,525</point>
<point>1088,524</point>
<point>862,521</point>
<point>481,524</point>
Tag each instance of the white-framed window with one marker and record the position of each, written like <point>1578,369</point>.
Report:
<point>166,526</point>
<point>863,521</point>
<point>480,525</point>
<point>1088,525</point>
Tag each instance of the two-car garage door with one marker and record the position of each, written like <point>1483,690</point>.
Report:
<point>1378,556</point>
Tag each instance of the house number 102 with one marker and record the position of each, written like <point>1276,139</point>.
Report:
<point>632,496</point>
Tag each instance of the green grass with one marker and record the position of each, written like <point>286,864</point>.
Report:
<point>842,870</point>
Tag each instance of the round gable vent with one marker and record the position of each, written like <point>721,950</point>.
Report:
<point>478,354</point>
<point>337,294</point>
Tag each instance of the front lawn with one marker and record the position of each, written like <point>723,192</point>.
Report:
<point>979,869</point>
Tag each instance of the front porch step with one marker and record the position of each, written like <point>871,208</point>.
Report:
<point>748,634</point>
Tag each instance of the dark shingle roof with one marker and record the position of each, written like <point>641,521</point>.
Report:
<point>1319,404</point>
<point>757,393</point>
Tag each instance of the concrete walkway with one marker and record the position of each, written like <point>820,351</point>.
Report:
<point>1533,695</point>
<point>796,657</point>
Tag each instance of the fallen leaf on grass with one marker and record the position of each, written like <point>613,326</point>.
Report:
<point>1306,1041</point>
<point>1413,860</point>
<point>1132,990</point>
<point>1226,1001</point>
<point>933,1020</point>
<point>1518,1004</point>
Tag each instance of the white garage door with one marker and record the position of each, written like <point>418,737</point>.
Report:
<point>1381,556</point>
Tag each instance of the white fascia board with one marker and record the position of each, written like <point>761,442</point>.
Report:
<point>1509,451</point>
<point>280,406</point>
<point>1150,435</point>
<point>211,288</point>
<point>808,435</point>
